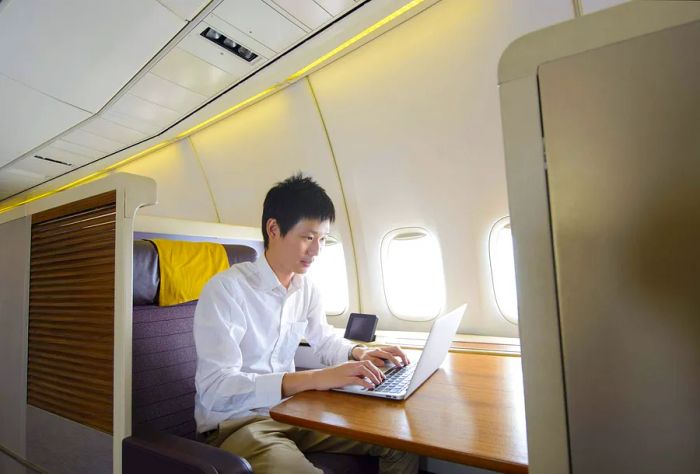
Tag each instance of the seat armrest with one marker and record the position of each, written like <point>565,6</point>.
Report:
<point>162,452</point>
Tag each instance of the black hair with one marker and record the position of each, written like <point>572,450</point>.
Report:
<point>297,197</point>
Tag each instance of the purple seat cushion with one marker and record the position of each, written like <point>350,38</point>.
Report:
<point>164,364</point>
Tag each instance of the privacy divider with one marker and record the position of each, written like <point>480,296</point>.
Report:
<point>71,311</point>
<point>67,408</point>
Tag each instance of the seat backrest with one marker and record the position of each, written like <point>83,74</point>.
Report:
<point>164,357</point>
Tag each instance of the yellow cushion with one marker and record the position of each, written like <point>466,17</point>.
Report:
<point>185,267</point>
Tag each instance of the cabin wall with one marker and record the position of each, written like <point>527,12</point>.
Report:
<point>412,121</point>
<point>14,320</point>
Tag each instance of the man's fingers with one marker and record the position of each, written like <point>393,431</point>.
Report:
<point>373,376</point>
<point>358,381</point>
<point>396,350</point>
<point>377,361</point>
<point>387,355</point>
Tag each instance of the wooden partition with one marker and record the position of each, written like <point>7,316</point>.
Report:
<point>71,311</point>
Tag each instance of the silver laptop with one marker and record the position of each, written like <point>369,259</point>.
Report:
<point>401,382</point>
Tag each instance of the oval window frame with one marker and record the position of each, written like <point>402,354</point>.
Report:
<point>386,240</point>
<point>332,240</point>
<point>497,227</point>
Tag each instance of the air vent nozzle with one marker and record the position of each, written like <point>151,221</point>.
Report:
<point>228,44</point>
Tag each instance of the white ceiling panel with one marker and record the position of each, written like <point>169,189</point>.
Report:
<point>82,51</point>
<point>79,150</point>
<point>66,156</point>
<point>44,168</point>
<point>128,121</point>
<point>193,73</point>
<point>308,12</point>
<point>13,181</point>
<point>168,94</point>
<point>336,7</point>
<point>260,21</point>
<point>108,129</point>
<point>90,140</point>
<point>29,118</point>
<point>143,110</point>
<point>185,9</point>
<point>195,44</point>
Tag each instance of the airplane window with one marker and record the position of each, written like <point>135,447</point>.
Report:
<point>330,275</point>
<point>503,269</point>
<point>414,284</point>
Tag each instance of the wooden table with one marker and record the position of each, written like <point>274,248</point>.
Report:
<point>471,411</point>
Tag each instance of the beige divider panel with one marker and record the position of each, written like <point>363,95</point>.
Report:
<point>182,187</point>
<point>414,120</point>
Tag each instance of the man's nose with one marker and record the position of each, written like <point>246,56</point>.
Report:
<point>315,248</point>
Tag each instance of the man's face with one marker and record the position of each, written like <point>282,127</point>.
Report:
<point>301,245</point>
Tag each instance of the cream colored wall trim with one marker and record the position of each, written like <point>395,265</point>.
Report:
<point>141,190</point>
<point>524,55</point>
<point>206,178</point>
<point>166,225</point>
<point>342,192</point>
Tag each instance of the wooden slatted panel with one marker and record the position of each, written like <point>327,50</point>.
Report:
<point>71,311</point>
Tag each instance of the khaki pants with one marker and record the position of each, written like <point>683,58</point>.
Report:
<point>270,446</point>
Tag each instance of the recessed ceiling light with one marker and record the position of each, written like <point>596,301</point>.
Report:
<point>228,44</point>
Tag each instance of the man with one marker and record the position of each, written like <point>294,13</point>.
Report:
<point>247,327</point>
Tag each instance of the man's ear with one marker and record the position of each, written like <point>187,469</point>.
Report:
<point>273,228</point>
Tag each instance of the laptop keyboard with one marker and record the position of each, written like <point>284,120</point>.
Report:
<point>397,379</point>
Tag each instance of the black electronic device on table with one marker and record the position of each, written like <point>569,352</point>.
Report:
<point>361,327</point>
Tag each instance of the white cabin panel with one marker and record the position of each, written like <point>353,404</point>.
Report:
<point>167,94</point>
<point>414,120</point>
<point>309,13</point>
<point>29,117</point>
<point>192,72</point>
<point>140,109</point>
<point>185,9</point>
<point>90,140</point>
<point>336,7</point>
<point>13,180</point>
<point>112,130</point>
<point>182,188</point>
<point>109,41</point>
<point>260,21</point>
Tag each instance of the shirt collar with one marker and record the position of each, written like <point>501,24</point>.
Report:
<point>269,281</point>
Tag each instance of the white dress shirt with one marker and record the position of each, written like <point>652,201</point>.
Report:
<point>247,327</point>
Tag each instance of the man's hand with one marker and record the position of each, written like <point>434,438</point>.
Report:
<point>377,355</point>
<point>350,373</point>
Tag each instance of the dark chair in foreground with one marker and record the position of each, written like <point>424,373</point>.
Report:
<point>164,362</point>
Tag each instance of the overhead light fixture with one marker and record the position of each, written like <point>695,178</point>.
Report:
<point>228,44</point>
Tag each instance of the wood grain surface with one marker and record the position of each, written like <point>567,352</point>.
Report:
<point>471,411</point>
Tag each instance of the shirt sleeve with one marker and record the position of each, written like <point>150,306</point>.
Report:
<point>325,343</point>
<point>219,326</point>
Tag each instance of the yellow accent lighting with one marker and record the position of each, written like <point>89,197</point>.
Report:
<point>229,111</point>
<point>88,178</point>
<point>301,72</point>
